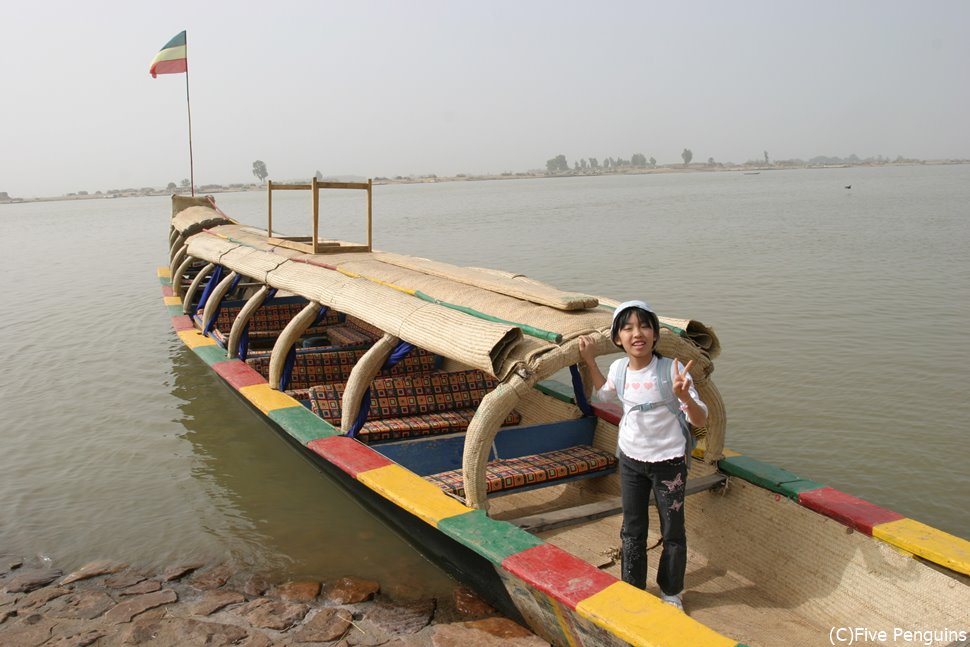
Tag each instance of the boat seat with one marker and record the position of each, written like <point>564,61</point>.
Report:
<point>327,366</point>
<point>535,470</point>
<point>270,319</point>
<point>408,406</point>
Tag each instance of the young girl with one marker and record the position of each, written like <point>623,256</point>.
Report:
<point>653,447</point>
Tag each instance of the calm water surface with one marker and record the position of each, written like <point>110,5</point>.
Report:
<point>841,314</point>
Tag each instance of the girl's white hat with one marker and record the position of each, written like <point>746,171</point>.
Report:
<point>630,304</point>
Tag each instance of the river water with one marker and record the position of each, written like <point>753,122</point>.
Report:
<point>841,312</point>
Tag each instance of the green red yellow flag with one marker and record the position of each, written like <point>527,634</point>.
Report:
<point>171,59</point>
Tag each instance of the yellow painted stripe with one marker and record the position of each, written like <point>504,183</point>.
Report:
<point>927,542</point>
<point>642,619</point>
<point>164,272</point>
<point>564,625</point>
<point>195,339</point>
<point>171,54</point>
<point>413,493</point>
<point>172,301</point>
<point>266,399</point>
<point>728,453</point>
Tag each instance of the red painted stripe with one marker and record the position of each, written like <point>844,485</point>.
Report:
<point>238,373</point>
<point>167,291</point>
<point>558,573</point>
<point>852,511</point>
<point>608,411</point>
<point>170,67</point>
<point>182,322</point>
<point>348,454</point>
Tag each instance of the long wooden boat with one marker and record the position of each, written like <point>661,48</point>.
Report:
<point>432,392</point>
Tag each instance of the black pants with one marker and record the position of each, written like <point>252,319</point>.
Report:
<point>667,480</point>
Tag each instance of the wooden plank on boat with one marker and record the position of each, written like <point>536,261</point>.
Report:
<point>606,508</point>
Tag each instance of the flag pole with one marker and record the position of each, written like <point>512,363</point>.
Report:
<point>189,106</point>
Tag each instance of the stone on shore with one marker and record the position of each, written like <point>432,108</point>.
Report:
<point>178,572</point>
<point>27,581</point>
<point>351,590</point>
<point>127,610</point>
<point>102,567</point>
<point>213,601</point>
<point>107,607</point>
<point>297,591</point>
<point>326,625</point>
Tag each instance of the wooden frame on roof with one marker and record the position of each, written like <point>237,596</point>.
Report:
<point>313,244</point>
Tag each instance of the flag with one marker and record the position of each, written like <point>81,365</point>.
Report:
<point>171,59</point>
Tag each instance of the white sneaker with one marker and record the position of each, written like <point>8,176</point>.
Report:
<point>673,600</point>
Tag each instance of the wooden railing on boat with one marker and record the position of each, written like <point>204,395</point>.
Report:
<point>313,244</point>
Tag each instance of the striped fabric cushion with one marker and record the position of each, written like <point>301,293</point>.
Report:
<point>429,424</point>
<point>271,318</point>
<point>511,473</point>
<point>413,405</point>
<point>329,366</point>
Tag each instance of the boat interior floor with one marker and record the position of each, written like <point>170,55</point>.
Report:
<point>719,598</point>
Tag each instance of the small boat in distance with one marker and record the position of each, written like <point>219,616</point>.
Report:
<point>454,402</point>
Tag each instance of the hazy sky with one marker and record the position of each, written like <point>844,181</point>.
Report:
<point>447,87</point>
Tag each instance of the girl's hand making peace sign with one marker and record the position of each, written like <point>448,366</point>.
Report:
<point>682,381</point>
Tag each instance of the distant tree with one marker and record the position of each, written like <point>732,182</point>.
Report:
<point>557,163</point>
<point>687,156</point>
<point>594,163</point>
<point>638,159</point>
<point>710,161</point>
<point>185,183</point>
<point>171,186</point>
<point>318,175</point>
<point>608,162</point>
<point>653,163</point>
<point>766,158</point>
<point>259,170</point>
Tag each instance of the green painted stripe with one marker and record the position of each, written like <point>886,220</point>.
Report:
<point>529,330</point>
<point>302,424</point>
<point>767,476</point>
<point>494,540</point>
<point>557,389</point>
<point>165,280</point>
<point>175,311</point>
<point>177,41</point>
<point>680,332</point>
<point>211,354</point>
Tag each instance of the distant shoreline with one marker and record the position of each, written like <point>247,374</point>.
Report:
<point>750,169</point>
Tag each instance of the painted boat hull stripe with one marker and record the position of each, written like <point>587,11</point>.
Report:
<point>182,322</point>
<point>558,574</point>
<point>926,542</point>
<point>847,509</point>
<point>348,454</point>
<point>238,373</point>
<point>301,423</point>
<point>411,492</point>
<point>642,619</point>
<point>492,539</point>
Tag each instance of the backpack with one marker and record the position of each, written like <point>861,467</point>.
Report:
<point>668,399</point>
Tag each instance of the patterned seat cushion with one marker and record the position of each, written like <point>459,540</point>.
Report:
<point>511,473</point>
<point>429,424</point>
<point>327,366</point>
<point>406,406</point>
<point>270,319</point>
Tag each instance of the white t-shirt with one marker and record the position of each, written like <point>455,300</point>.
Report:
<point>653,435</point>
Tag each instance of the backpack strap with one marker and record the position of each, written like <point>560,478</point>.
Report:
<point>667,398</point>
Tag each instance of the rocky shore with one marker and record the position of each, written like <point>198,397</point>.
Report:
<point>108,603</point>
